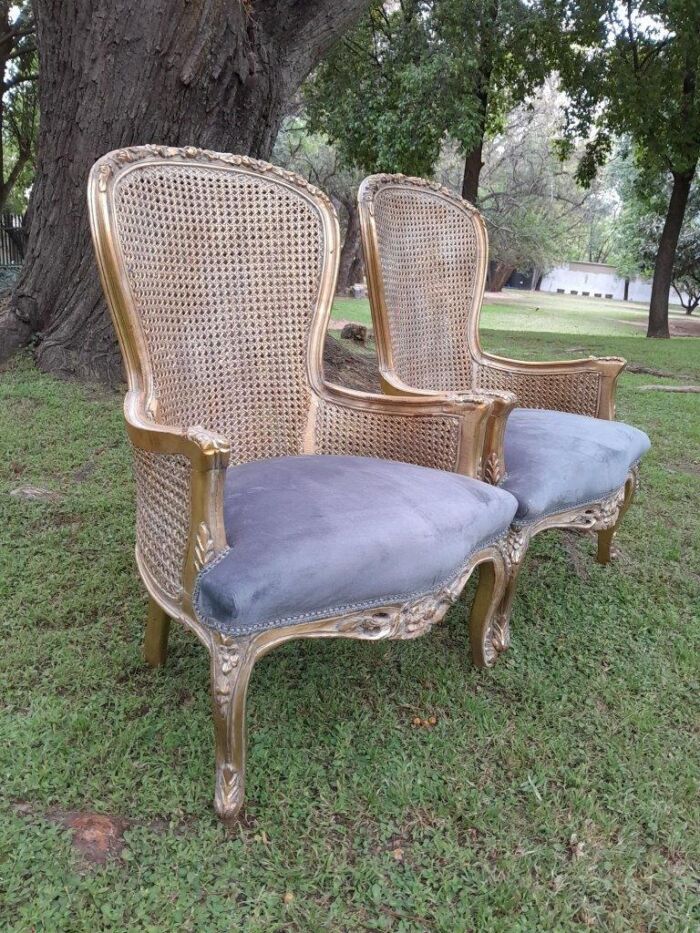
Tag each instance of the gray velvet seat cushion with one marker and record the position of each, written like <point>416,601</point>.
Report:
<point>557,461</point>
<point>316,536</point>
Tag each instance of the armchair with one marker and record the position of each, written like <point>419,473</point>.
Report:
<point>566,461</point>
<point>271,505</point>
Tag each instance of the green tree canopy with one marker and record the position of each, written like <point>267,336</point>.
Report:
<point>631,68</point>
<point>415,72</point>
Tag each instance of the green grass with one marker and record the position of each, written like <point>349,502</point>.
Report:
<point>525,311</point>
<point>558,791</point>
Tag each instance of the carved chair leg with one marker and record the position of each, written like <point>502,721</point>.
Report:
<point>606,537</point>
<point>155,643</point>
<point>485,622</point>
<point>232,661</point>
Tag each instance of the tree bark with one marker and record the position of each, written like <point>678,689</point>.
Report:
<point>215,74</point>
<point>350,249</point>
<point>472,170</point>
<point>498,274</point>
<point>488,32</point>
<point>666,254</point>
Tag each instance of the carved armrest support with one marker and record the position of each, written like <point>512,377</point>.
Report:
<point>441,431</point>
<point>208,454</point>
<point>584,386</point>
<point>492,468</point>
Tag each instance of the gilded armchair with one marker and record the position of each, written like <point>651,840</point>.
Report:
<point>271,505</point>
<point>560,452</point>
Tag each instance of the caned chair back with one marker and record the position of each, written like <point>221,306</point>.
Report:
<point>219,271</point>
<point>426,252</point>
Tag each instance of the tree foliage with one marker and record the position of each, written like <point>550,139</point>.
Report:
<point>644,197</point>
<point>414,72</point>
<point>632,68</point>
<point>536,213</point>
<point>19,108</point>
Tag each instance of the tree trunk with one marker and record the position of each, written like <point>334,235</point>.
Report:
<point>498,275</point>
<point>472,171</point>
<point>214,74</point>
<point>357,270</point>
<point>666,254</point>
<point>349,251</point>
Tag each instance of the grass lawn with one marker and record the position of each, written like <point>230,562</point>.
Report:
<point>520,311</point>
<point>558,791</point>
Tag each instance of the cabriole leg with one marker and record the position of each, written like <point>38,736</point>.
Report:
<point>231,664</point>
<point>606,537</point>
<point>155,643</point>
<point>485,624</point>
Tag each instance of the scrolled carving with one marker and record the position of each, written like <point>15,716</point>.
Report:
<point>211,444</point>
<point>227,659</point>
<point>493,470</point>
<point>376,182</point>
<point>228,795</point>
<point>410,620</point>
<point>203,547</point>
<point>120,157</point>
<point>105,173</point>
<point>600,516</point>
<point>497,638</point>
<point>514,546</point>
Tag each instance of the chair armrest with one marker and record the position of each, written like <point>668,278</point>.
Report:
<point>585,387</point>
<point>446,432</point>
<point>180,478</point>
<point>493,468</point>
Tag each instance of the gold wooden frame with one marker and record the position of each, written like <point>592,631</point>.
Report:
<point>603,517</point>
<point>208,453</point>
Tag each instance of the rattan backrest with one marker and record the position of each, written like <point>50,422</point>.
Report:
<point>426,252</point>
<point>220,269</point>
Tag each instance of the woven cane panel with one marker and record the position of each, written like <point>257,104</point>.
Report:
<point>162,512</point>
<point>225,270</point>
<point>573,392</point>
<point>431,442</point>
<point>430,257</point>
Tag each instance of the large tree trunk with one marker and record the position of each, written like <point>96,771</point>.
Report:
<point>211,73</point>
<point>350,249</point>
<point>666,254</point>
<point>497,275</point>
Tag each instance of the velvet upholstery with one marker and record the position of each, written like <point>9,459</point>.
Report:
<point>556,461</point>
<point>315,536</point>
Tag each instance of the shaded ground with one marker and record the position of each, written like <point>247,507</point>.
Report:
<point>349,365</point>
<point>686,326</point>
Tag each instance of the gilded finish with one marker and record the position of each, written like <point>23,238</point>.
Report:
<point>447,430</point>
<point>586,386</point>
<point>490,371</point>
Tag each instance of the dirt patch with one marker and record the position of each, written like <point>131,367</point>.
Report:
<point>35,494</point>
<point>654,388</point>
<point>677,327</point>
<point>96,836</point>
<point>570,541</point>
<point>356,370</point>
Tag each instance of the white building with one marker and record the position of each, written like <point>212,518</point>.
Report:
<point>597,280</point>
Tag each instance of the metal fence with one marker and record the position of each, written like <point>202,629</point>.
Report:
<point>12,238</point>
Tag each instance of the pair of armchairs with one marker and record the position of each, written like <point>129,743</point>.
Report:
<point>270,504</point>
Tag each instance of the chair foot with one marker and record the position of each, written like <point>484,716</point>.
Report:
<point>607,535</point>
<point>155,643</point>
<point>231,665</point>
<point>488,627</point>
<point>605,540</point>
